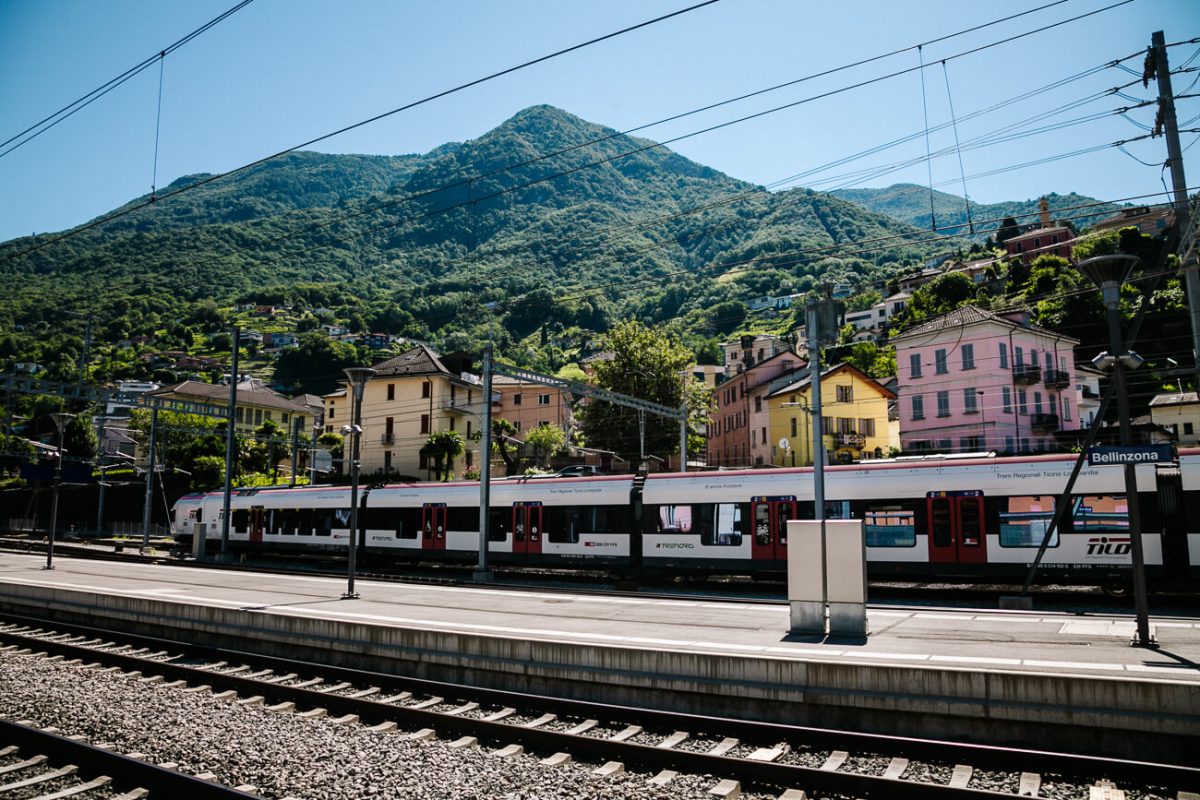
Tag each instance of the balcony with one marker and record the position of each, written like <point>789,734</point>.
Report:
<point>1057,379</point>
<point>850,440</point>
<point>1027,374</point>
<point>387,439</point>
<point>457,406</point>
<point>1044,423</point>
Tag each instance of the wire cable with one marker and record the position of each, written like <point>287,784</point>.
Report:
<point>45,124</point>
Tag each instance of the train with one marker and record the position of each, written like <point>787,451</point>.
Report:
<point>959,518</point>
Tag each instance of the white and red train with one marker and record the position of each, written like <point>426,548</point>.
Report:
<point>952,517</point>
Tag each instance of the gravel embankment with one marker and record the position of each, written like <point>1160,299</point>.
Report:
<point>284,756</point>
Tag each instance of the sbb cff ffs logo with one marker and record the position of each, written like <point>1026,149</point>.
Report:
<point>1104,546</point>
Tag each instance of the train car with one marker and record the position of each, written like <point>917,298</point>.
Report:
<point>964,517</point>
<point>559,521</point>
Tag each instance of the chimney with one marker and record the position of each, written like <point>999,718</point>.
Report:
<point>1045,213</point>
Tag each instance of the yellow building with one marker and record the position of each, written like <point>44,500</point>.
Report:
<point>408,398</point>
<point>1178,413</point>
<point>854,409</point>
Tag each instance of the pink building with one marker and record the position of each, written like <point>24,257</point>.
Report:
<point>973,380</point>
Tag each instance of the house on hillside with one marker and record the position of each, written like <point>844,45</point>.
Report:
<point>737,430</point>
<point>1178,412</point>
<point>974,380</point>
<point>854,415</point>
<point>256,404</point>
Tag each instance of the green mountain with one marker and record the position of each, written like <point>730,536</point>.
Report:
<point>909,203</point>
<point>566,225</point>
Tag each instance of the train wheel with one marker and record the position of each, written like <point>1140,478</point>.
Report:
<point>1117,588</point>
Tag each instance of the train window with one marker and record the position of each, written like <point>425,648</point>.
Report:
<point>408,523</point>
<point>1024,521</point>
<point>382,519</point>
<point>940,522</point>
<point>834,509</point>
<point>498,524</point>
<point>720,524</point>
<point>1105,513</point>
<point>462,519</point>
<point>674,519</point>
<point>970,522</point>
<point>241,520</point>
<point>563,524</point>
<point>306,522</point>
<point>762,524</point>
<point>288,520</point>
<point>889,526</point>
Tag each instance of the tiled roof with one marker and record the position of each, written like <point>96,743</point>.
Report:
<point>218,394</point>
<point>1176,399</point>
<point>971,315</point>
<point>799,380</point>
<point>420,360</point>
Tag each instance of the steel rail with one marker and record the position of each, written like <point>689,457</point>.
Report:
<point>769,773</point>
<point>128,773</point>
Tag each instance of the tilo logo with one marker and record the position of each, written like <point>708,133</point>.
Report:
<point>1104,546</point>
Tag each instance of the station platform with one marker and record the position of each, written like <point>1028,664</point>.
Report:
<point>1035,679</point>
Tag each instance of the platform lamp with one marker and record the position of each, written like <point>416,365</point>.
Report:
<point>358,377</point>
<point>1108,273</point>
<point>61,418</point>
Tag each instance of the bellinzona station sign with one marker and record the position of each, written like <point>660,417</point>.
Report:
<point>1135,454</point>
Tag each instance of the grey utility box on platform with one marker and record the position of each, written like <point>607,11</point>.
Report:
<point>806,577</point>
<point>827,569</point>
<point>846,574</point>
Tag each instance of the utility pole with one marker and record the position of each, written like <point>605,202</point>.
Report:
<point>229,441</point>
<point>482,573</point>
<point>1165,124</point>
<point>150,467</point>
<point>295,447</point>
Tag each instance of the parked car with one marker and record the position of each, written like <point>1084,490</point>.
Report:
<point>579,470</point>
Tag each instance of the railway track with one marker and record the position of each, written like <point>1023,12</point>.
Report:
<point>42,764</point>
<point>773,760</point>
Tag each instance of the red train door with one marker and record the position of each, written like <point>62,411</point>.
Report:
<point>956,529</point>
<point>770,516</point>
<point>433,526</point>
<point>527,528</point>
<point>257,518</point>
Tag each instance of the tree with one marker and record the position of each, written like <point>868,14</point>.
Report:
<point>316,365</point>
<point>1008,229</point>
<point>443,447</point>
<point>502,432</point>
<point>545,441</point>
<point>649,365</point>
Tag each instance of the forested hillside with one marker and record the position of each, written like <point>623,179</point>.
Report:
<point>566,225</point>
<point>909,203</point>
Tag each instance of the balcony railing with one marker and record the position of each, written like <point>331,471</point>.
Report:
<point>1027,374</point>
<point>1043,422</point>
<point>456,406</point>
<point>850,440</point>
<point>387,438</point>
<point>1057,379</point>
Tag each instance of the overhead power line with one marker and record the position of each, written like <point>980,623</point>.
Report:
<point>138,206</point>
<point>38,128</point>
<point>205,181</point>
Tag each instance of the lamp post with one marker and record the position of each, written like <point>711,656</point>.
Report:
<point>312,454</point>
<point>1108,273</point>
<point>358,377</point>
<point>61,418</point>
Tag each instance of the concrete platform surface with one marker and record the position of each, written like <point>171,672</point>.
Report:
<point>1054,644</point>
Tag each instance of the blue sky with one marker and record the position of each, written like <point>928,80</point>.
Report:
<point>280,72</point>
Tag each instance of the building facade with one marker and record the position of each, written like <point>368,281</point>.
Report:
<point>733,436</point>
<point>973,380</point>
<point>854,416</point>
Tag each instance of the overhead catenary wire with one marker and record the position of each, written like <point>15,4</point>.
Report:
<point>48,122</point>
<point>138,206</point>
<point>345,129</point>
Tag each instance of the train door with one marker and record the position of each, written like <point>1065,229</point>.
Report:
<point>770,515</point>
<point>433,526</point>
<point>956,529</point>
<point>258,517</point>
<point>527,528</point>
